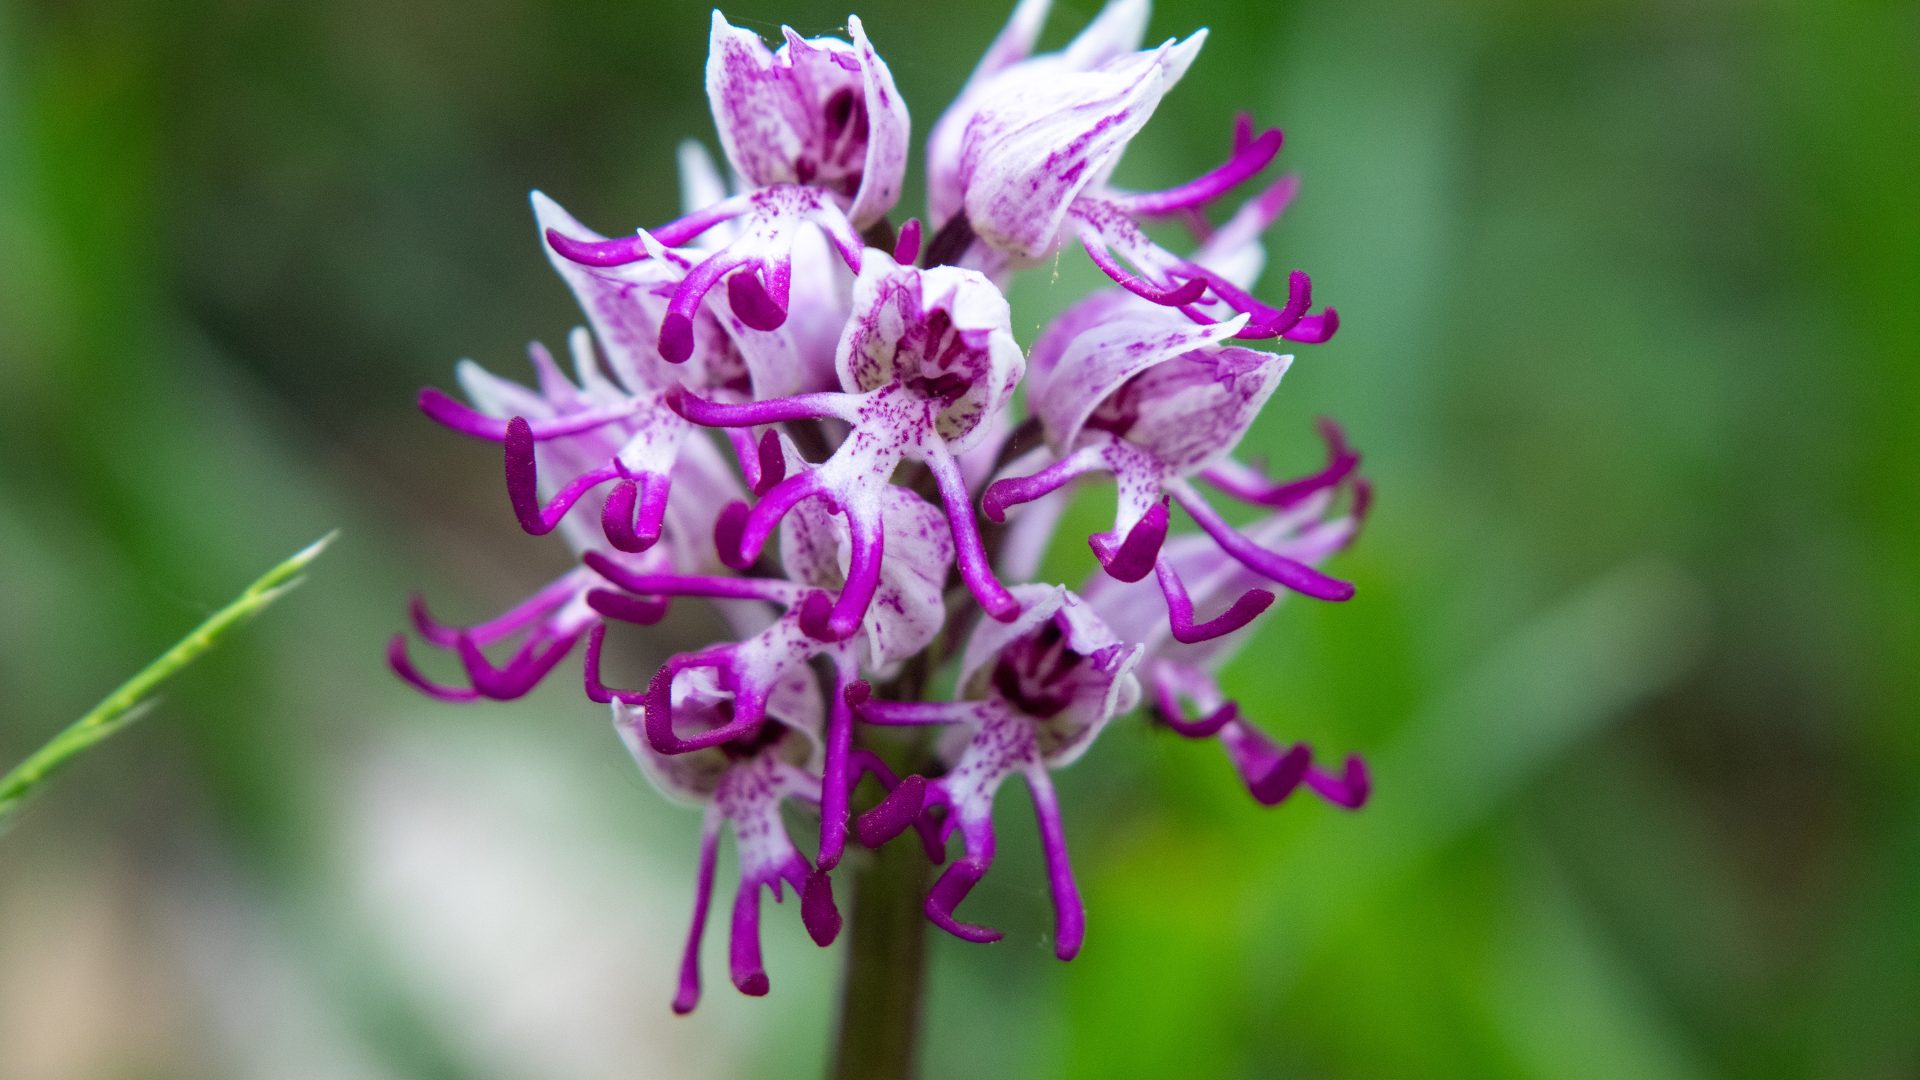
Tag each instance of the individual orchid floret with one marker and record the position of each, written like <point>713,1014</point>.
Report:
<point>1153,400</point>
<point>926,358</point>
<point>592,433</point>
<point>1036,692</point>
<point>1021,163</point>
<point>907,613</point>
<point>1309,529</point>
<point>819,112</point>
<point>560,440</point>
<point>742,783</point>
<point>819,131</point>
<point>548,624</point>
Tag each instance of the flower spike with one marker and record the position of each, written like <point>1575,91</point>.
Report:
<point>817,423</point>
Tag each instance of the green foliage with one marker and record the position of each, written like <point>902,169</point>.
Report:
<point>133,698</point>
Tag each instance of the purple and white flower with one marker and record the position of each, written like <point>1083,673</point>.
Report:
<point>742,785</point>
<point>1180,673</point>
<point>818,132</point>
<point>927,358</point>
<point>1037,691</point>
<point>804,451</point>
<point>1022,162</point>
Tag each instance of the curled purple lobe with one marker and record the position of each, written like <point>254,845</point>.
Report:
<point>550,624</point>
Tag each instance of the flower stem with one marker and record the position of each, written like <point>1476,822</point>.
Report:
<point>882,997</point>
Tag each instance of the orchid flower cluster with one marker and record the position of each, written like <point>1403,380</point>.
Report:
<point>788,407</point>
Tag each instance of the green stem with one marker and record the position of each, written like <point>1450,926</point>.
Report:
<point>129,702</point>
<point>883,995</point>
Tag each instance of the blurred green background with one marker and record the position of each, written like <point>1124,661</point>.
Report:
<point>1631,291</point>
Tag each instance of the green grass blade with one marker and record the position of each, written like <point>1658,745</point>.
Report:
<point>131,700</point>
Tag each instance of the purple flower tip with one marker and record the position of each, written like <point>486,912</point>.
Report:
<point>728,531</point>
<point>642,610</point>
<point>1132,559</point>
<point>954,884</point>
<point>817,909</point>
<point>893,814</point>
<point>906,249</point>
<point>522,475</point>
<point>1350,790</point>
<point>773,463</point>
<point>676,338</point>
<point>750,301</point>
<point>601,253</point>
<point>1278,780</point>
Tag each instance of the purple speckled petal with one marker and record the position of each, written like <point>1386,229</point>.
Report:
<point>1113,34</point>
<point>1091,380</point>
<point>1032,145</point>
<point>1059,667</point>
<point>943,335</point>
<point>889,134</point>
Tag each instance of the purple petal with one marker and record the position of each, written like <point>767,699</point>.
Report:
<point>946,894</point>
<point>906,248</point>
<point>632,530</point>
<point>688,995</point>
<point>1291,573</point>
<point>1180,609</point>
<point>1133,558</point>
<point>817,909</point>
<point>523,482</point>
<point>1033,145</point>
<point>1069,914</point>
